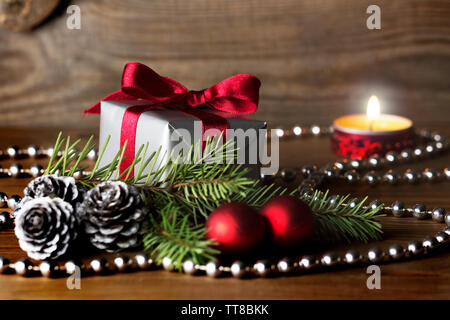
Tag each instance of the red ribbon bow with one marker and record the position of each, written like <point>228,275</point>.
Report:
<point>237,95</point>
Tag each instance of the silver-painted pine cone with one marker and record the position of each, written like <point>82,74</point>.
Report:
<point>45,227</point>
<point>54,186</point>
<point>111,216</point>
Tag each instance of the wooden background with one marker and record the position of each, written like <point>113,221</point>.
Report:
<point>316,58</point>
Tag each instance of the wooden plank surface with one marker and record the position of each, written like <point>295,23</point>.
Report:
<point>316,59</point>
<point>417,279</point>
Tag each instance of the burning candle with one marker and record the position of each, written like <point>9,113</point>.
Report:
<point>361,135</point>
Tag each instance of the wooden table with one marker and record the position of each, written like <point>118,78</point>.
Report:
<point>416,279</point>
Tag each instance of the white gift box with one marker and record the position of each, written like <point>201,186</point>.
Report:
<point>157,127</point>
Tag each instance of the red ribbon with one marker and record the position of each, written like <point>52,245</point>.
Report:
<point>237,95</point>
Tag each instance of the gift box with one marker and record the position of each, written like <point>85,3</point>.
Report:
<point>149,108</point>
<point>158,125</point>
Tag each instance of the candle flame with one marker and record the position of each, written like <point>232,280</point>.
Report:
<point>373,108</point>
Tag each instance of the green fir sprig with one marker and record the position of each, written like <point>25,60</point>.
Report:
<point>337,221</point>
<point>181,192</point>
<point>172,234</point>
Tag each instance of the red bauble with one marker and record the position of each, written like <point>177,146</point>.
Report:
<point>236,227</point>
<point>291,221</point>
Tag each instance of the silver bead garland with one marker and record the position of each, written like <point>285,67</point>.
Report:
<point>343,169</point>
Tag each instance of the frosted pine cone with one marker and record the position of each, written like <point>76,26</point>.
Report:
<point>54,186</point>
<point>45,227</point>
<point>111,216</point>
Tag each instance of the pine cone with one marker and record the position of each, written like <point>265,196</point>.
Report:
<point>45,227</point>
<point>111,215</point>
<point>54,186</point>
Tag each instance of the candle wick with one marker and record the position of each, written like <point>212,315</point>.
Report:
<point>371,125</point>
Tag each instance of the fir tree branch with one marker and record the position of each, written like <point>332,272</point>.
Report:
<point>194,186</point>
<point>171,234</point>
<point>335,221</point>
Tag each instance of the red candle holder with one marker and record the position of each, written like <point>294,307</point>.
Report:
<point>357,143</point>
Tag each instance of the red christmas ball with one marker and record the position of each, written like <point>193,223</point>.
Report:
<point>236,227</point>
<point>291,221</point>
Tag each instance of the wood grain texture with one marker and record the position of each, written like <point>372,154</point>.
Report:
<point>19,15</point>
<point>416,279</point>
<point>316,59</point>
